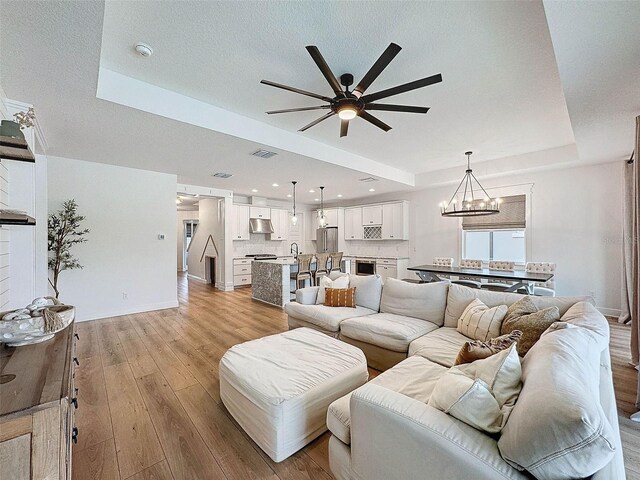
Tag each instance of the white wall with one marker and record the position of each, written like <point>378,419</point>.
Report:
<point>575,220</point>
<point>125,209</point>
<point>182,215</point>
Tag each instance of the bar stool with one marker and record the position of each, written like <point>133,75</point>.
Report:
<point>322,266</point>
<point>304,270</point>
<point>336,261</point>
<point>469,281</point>
<point>498,284</point>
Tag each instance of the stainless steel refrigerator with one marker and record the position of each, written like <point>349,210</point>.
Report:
<point>327,239</point>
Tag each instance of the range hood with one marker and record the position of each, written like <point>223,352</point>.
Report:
<point>15,217</point>
<point>260,225</point>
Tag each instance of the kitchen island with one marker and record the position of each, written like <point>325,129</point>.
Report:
<point>271,280</point>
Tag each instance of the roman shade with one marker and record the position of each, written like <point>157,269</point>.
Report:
<point>512,216</point>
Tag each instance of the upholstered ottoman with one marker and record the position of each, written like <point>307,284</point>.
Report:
<point>278,388</point>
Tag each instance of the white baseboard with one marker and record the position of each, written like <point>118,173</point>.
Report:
<point>84,317</point>
<point>610,312</point>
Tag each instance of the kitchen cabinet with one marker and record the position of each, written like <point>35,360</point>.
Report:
<point>395,221</point>
<point>280,222</point>
<point>241,271</point>
<point>353,223</point>
<point>372,215</point>
<point>240,230</point>
<point>259,212</point>
<point>387,271</point>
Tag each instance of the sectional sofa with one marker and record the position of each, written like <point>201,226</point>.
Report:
<point>563,425</point>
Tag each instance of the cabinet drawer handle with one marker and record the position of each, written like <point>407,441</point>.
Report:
<point>77,336</point>
<point>75,360</point>
<point>74,434</point>
<point>74,402</point>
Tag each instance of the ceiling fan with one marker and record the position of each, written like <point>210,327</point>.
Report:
<point>350,104</point>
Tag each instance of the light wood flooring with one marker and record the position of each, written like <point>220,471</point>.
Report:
<point>149,404</point>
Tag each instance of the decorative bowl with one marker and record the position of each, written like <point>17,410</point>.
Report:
<point>38,325</point>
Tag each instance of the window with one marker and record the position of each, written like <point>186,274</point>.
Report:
<point>497,237</point>
<point>495,245</point>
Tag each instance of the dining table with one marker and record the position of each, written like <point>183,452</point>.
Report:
<point>521,279</point>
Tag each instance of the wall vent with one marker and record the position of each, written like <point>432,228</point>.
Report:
<point>263,153</point>
<point>223,175</point>
<point>368,179</point>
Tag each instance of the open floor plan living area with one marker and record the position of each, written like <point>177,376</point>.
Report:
<point>319,239</point>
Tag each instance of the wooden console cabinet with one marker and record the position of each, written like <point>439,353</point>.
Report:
<point>37,403</point>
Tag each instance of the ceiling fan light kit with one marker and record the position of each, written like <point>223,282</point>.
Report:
<point>350,104</point>
<point>469,205</point>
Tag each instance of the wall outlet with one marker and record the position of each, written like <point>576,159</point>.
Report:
<point>125,296</point>
<point>161,236</point>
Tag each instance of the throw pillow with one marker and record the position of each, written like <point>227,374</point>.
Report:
<point>483,393</point>
<point>481,322</point>
<point>340,297</point>
<point>477,350</point>
<point>369,290</point>
<point>525,316</point>
<point>340,282</point>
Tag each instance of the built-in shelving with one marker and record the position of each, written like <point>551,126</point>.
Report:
<point>13,148</point>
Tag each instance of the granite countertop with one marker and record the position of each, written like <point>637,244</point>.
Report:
<point>280,261</point>
<point>392,257</point>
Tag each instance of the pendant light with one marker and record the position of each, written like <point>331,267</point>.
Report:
<point>469,205</point>
<point>323,220</point>
<point>294,217</point>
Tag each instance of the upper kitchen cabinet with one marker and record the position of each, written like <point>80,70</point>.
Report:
<point>395,221</point>
<point>353,223</point>
<point>372,215</point>
<point>330,215</point>
<point>240,222</point>
<point>280,222</point>
<point>260,212</point>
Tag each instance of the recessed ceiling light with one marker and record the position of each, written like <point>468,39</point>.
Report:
<point>288,195</point>
<point>275,185</point>
<point>254,190</point>
<point>372,189</point>
<point>312,191</point>
<point>317,199</point>
<point>339,195</point>
<point>144,49</point>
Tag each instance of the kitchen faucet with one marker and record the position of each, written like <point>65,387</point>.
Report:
<point>297,249</point>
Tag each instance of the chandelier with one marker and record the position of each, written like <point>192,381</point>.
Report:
<point>322,220</point>
<point>294,218</point>
<point>469,205</point>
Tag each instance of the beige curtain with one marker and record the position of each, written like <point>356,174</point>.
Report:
<point>631,255</point>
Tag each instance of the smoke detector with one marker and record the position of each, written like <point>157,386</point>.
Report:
<point>144,49</point>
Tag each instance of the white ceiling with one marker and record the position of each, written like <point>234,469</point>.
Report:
<point>501,96</point>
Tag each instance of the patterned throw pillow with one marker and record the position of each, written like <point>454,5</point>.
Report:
<point>477,350</point>
<point>481,322</point>
<point>340,297</point>
<point>525,316</point>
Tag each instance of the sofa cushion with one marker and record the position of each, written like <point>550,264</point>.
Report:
<point>325,282</point>
<point>340,297</point>
<point>440,346</point>
<point>482,393</point>
<point>369,290</point>
<point>459,297</point>
<point>481,322</point>
<point>386,330</point>
<point>476,350</point>
<point>558,428</point>
<point>532,322</point>
<point>425,301</point>
<point>414,377</point>
<point>327,318</point>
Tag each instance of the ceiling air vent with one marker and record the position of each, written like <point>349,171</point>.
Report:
<point>222,175</point>
<point>368,179</point>
<point>263,153</point>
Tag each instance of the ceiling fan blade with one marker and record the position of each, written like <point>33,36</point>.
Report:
<point>395,108</point>
<point>303,109</point>
<point>324,68</point>
<point>371,119</point>
<point>403,88</point>
<point>317,121</point>
<point>296,90</point>
<point>377,68</point>
<point>344,128</point>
